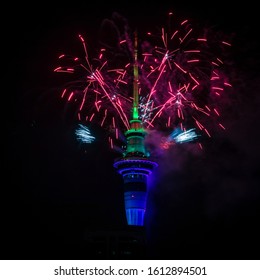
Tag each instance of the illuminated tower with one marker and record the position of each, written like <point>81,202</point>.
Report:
<point>135,166</point>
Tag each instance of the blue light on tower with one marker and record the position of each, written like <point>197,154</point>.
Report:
<point>135,171</point>
<point>135,166</point>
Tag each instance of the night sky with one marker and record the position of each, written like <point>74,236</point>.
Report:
<point>203,205</point>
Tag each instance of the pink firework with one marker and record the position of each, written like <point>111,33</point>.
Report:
<point>181,80</point>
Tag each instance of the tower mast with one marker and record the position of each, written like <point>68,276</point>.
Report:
<point>135,115</point>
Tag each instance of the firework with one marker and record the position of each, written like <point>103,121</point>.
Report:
<point>181,81</point>
<point>179,136</point>
<point>83,134</point>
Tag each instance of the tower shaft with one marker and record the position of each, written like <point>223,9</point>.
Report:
<point>135,172</point>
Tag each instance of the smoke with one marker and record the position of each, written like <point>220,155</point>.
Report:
<point>170,155</point>
<point>209,199</point>
<point>112,32</point>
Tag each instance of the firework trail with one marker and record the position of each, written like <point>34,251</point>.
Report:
<point>181,81</point>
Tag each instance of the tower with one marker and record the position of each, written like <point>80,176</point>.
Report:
<point>135,165</point>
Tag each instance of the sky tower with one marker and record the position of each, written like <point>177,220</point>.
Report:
<point>135,165</point>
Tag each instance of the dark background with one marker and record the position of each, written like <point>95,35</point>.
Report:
<point>56,191</point>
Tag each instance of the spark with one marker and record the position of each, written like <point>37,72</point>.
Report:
<point>83,134</point>
<point>179,136</point>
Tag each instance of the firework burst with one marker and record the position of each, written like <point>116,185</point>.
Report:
<point>181,81</point>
